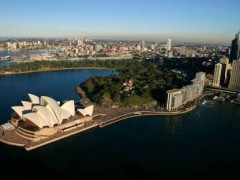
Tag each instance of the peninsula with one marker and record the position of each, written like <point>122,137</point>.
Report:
<point>138,88</point>
<point>43,120</point>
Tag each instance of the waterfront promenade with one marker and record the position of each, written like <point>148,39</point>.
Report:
<point>142,113</point>
<point>119,114</point>
<point>103,116</point>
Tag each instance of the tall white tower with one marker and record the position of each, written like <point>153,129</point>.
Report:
<point>169,45</point>
<point>217,75</point>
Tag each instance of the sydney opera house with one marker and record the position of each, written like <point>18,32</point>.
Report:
<point>42,117</point>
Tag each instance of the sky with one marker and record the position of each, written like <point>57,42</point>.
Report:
<point>209,21</point>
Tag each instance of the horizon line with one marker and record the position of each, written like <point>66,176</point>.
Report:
<point>111,38</point>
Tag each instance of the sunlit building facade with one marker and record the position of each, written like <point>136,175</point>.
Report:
<point>217,75</point>
<point>42,117</point>
<point>178,97</point>
<point>235,76</point>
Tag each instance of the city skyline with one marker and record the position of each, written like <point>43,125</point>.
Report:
<point>203,22</point>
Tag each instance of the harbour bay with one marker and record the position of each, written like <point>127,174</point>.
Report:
<point>204,141</point>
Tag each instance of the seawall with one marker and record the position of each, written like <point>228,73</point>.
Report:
<point>143,113</point>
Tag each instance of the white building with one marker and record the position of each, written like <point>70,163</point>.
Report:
<point>41,118</point>
<point>169,45</point>
<point>14,46</point>
<point>217,75</point>
<point>178,97</point>
<point>45,112</point>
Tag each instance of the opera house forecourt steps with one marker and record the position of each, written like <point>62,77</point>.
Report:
<point>42,120</point>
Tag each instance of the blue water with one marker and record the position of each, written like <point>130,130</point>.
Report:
<point>25,52</point>
<point>10,53</point>
<point>202,144</point>
<point>59,84</point>
<point>6,63</point>
<point>19,54</point>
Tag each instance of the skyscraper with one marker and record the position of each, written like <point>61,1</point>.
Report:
<point>217,75</point>
<point>224,61</point>
<point>235,76</point>
<point>169,45</point>
<point>235,49</point>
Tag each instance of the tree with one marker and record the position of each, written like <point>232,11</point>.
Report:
<point>89,86</point>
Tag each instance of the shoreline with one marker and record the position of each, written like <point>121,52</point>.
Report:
<point>99,125</point>
<point>102,124</point>
<point>49,70</point>
<point>29,148</point>
<point>147,113</point>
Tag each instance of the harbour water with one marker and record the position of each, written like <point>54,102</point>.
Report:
<point>19,54</point>
<point>200,144</point>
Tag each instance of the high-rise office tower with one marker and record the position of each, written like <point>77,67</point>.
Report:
<point>235,76</point>
<point>169,45</point>
<point>228,51</point>
<point>217,75</point>
<point>235,49</point>
<point>224,61</point>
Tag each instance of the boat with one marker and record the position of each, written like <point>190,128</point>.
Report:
<point>222,99</point>
<point>204,101</point>
<point>209,103</point>
<point>215,98</point>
